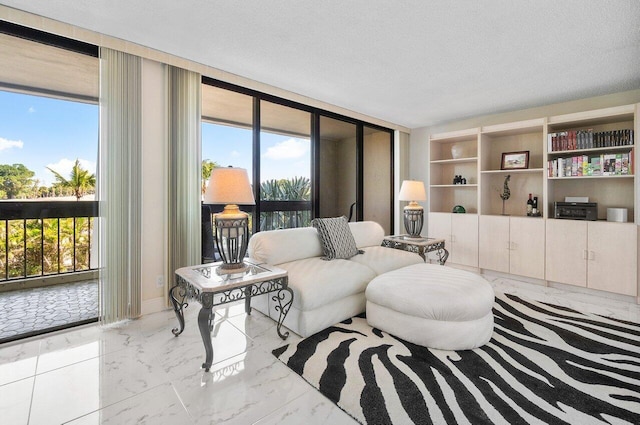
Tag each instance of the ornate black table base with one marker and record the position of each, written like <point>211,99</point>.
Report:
<point>184,291</point>
<point>420,249</point>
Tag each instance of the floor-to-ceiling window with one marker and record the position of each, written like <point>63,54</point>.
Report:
<point>48,154</point>
<point>337,172</point>
<point>303,162</point>
<point>377,176</point>
<point>285,167</point>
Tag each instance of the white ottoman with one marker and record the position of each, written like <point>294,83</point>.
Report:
<point>432,305</point>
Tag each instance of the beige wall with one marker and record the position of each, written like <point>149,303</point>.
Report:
<point>154,183</point>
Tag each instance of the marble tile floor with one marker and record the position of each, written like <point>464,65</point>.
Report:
<point>137,372</point>
<point>29,311</point>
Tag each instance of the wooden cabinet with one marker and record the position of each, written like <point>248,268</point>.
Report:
<point>513,245</point>
<point>460,232</point>
<point>596,255</point>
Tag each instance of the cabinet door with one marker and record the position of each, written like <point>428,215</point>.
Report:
<point>464,239</point>
<point>527,242</point>
<point>613,257</point>
<point>566,245</point>
<point>439,227</point>
<point>493,243</point>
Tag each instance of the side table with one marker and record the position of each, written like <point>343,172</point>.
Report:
<point>203,284</point>
<point>420,246</point>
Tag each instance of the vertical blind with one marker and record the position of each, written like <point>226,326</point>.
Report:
<point>185,104</point>
<point>120,185</point>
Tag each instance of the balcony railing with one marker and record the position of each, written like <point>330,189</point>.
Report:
<point>275,214</point>
<point>46,238</point>
<point>284,214</point>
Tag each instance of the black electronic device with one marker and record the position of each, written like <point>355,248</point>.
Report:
<point>576,210</point>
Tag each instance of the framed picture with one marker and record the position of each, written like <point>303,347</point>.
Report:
<point>515,160</point>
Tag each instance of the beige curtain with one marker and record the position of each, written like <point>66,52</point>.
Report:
<point>184,164</point>
<point>120,185</point>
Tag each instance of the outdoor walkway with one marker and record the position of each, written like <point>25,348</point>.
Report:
<point>31,310</point>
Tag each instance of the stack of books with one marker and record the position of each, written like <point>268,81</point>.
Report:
<point>588,139</point>
<point>613,164</point>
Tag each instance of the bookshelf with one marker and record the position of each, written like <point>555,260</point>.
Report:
<point>444,167</point>
<point>608,188</point>
<point>583,253</point>
<point>512,137</point>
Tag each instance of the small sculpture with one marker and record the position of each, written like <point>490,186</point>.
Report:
<point>506,193</point>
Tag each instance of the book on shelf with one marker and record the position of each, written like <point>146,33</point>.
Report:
<point>610,164</point>
<point>624,164</point>
<point>588,139</point>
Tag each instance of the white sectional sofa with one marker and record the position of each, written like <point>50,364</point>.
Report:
<point>325,292</point>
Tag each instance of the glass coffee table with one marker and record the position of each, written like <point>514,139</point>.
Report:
<point>203,284</point>
<point>420,246</point>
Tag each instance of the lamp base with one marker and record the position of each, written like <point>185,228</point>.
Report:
<point>232,237</point>
<point>413,220</point>
<point>231,268</point>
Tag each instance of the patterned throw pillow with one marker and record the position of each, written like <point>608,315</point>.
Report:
<point>336,237</point>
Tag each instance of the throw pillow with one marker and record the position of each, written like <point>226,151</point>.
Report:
<point>336,237</point>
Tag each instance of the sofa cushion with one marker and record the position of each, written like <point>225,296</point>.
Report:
<point>336,237</point>
<point>367,233</point>
<point>316,282</point>
<point>383,260</point>
<point>282,246</point>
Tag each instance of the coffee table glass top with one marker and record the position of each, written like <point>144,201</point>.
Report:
<point>205,277</point>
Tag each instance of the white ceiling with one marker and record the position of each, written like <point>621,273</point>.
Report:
<point>411,62</point>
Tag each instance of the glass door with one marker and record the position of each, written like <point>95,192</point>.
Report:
<point>377,177</point>
<point>285,167</point>
<point>337,172</point>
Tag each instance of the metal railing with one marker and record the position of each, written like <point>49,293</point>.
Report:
<point>284,214</point>
<point>45,238</point>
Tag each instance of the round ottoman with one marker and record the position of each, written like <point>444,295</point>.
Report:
<point>432,305</point>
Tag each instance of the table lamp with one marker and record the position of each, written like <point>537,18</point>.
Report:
<point>413,191</point>
<point>230,186</point>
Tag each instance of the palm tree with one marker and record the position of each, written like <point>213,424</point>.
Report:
<point>80,181</point>
<point>207,167</point>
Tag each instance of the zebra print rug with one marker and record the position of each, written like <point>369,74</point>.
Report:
<point>544,364</point>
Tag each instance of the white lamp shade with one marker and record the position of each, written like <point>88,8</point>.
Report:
<point>229,185</point>
<point>412,190</point>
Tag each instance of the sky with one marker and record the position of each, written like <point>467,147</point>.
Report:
<point>281,156</point>
<point>41,132</point>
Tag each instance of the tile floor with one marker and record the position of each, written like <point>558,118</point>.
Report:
<point>32,310</point>
<point>138,372</point>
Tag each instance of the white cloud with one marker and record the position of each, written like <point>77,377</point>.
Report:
<point>31,109</point>
<point>235,154</point>
<point>8,144</point>
<point>64,167</point>
<point>290,148</point>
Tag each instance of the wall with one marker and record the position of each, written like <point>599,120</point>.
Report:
<point>400,172</point>
<point>154,182</point>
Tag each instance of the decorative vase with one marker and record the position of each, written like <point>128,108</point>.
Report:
<point>456,151</point>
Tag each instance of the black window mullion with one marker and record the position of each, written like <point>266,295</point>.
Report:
<point>315,165</point>
<point>359,172</point>
<point>256,163</point>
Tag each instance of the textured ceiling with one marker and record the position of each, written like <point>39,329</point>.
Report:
<point>414,63</point>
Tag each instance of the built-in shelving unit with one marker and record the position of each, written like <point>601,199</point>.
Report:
<point>609,191</point>
<point>594,254</point>
<point>511,137</point>
<point>444,167</point>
